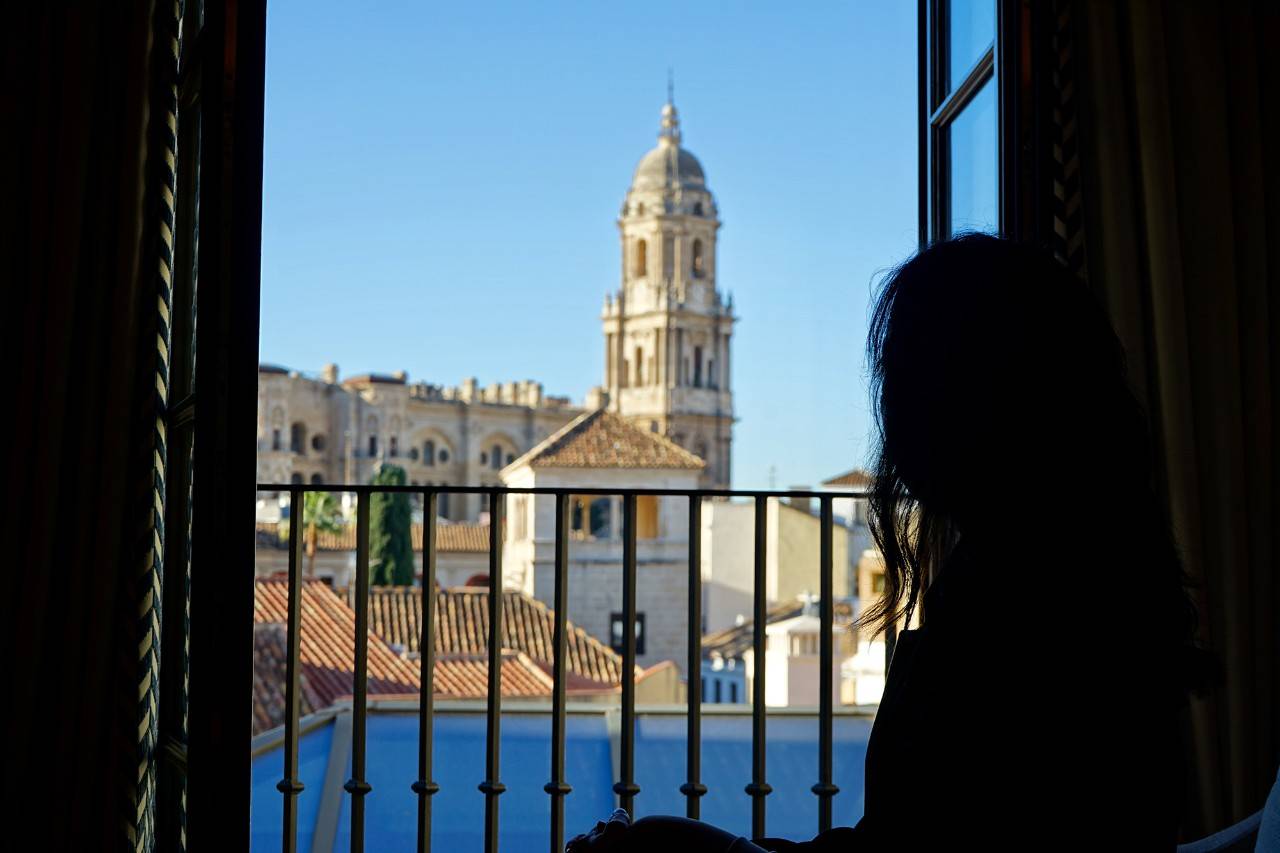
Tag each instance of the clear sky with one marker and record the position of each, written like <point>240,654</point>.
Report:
<point>443,179</point>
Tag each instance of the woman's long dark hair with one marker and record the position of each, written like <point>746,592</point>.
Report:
<point>1001,398</point>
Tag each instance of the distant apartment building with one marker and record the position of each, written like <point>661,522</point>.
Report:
<point>792,656</point>
<point>792,554</point>
<point>853,511</point>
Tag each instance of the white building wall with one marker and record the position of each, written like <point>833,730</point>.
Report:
<point>793,678</point>
<point>595,566</point>
<point>727,563</point>
<point>791,559</point>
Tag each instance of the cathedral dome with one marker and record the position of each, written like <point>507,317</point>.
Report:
<point>668,165</point>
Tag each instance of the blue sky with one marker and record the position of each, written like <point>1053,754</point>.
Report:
<point>442,182</point>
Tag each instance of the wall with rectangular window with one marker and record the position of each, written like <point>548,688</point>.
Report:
<point>616,633</point>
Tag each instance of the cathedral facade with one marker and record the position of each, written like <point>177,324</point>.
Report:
<point>667,334</point>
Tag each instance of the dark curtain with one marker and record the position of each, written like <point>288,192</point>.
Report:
<point>85,96</point>
<point>1178,147</point>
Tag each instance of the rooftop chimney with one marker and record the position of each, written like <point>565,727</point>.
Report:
<point>802,504</point>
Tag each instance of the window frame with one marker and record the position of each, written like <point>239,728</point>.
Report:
<point>203,750</point>
<point>1002,65</point>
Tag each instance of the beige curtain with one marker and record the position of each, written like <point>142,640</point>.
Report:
<point>1179,140</point>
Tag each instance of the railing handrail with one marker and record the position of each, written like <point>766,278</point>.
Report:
<point>370,488</point>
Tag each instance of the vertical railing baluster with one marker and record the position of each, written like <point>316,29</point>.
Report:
<point>759,788</point>
<point>693,789</point>
<point>491,786</point>
<point>290,786</point>
<point>558,788</point>
<point>825,789</point>
<point>357,786</point>
<point>425,787</point>
<point>626,787</point>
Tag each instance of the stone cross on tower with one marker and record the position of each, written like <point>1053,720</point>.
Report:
<point>667,329</point>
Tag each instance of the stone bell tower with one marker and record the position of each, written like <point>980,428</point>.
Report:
<point>667,330</point>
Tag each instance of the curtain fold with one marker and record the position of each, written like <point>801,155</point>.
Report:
<point>81,237</point>
<point>1182,217</point>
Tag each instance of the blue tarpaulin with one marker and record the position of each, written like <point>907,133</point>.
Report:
<point>524,810</point>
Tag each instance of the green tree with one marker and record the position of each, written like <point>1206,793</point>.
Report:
<point>320,514</point>
<point>390,546</point>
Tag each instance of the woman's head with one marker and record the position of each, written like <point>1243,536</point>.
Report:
<point>1004,410</point>
<point>995,372</point>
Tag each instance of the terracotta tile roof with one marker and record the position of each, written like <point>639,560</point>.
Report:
<point>327,653</point>
<point>733,642</point>
<point>857,478</point>
<point>601,439</point>
<point>467,676</point>
<point>269,655</point>
<point>451,537</point>
<point>327,647</point>
<point>462,624</point>
<point>455,538</point>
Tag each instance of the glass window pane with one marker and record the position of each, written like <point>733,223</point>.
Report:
<point>971,28</point>
<point>974,157</point>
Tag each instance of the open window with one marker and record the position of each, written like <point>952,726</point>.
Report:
<point>646,516</point>
<point>960,151</point>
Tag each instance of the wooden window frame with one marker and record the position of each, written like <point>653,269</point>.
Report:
<point>1021,28</point>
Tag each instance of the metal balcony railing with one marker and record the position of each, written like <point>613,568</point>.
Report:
<point>558,787</point>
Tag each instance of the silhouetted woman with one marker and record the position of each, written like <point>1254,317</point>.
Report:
<point>1037,705</point>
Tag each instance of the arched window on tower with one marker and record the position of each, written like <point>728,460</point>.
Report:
<point>697,209</point>
<point>641,265</point>
<point>639,363</point>
<point>429,453</point>
<point>699,268</point>
<point>495,458</point>
<point>697,367</point>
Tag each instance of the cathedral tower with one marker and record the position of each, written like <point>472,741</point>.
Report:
<point>667,330</point>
